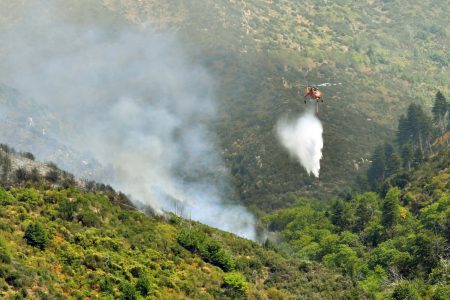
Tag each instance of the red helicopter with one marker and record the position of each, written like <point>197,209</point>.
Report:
<point>313,92</point>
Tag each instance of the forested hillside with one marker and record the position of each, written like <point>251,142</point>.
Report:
<point>373,225</point>
<point>393,242</point>
<point>387,54</point>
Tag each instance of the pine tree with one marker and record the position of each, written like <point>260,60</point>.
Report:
<point>440,111</point>
<point>391,208</point>
<point>418,157</point>
<point>339,215</point>
<point>395,165</point>
<point>36,236</point>
<point>376,171</point>
<point>363,216</point>
<point>388,151</point>
<point>407,153</point>
<point>419,127</point>
<point>403,132</point>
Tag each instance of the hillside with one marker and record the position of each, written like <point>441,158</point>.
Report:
<point>31,127</point>
<point>393,244</point>
<point>387,54</point>
<point>65,238</point>
<point>60,241</point>
<point>176,104</point>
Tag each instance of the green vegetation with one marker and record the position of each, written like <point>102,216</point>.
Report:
<point>387,54</point>
<point>36,236</point>
<point>66,242</point>
<point>393,242</point>
<point>61,239</point>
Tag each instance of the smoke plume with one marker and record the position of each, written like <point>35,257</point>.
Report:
<point>303,139</point>
<point>133,101</point>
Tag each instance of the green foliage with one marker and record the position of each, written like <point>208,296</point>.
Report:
<point>391,208</point>
<point>441,293</point>
<point>235,284</point>
<point>415,128</point>
<point>143,286</point>
<point>89,219</point>
<point>128,292</point>
<point>36,236</point>
<point>210,251</point>
<point>213,253</point>
<point>405,291</point>
<point>68,209</point>
<point>129,255</point>
<point>375,241</point>
<point>192,240</point>
<point>107,285</point>
<point>440,112</point>
<point>376,171</point>
<point>5,256</point>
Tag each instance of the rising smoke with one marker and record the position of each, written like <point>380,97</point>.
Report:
<point>303,139</point>
<point>136,104</point>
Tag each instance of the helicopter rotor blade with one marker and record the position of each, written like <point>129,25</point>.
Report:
<point>329,84</point>
<point>321,84</point>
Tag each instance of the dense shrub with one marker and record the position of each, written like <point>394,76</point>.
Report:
<point>213,253</point>
<point>107,285</point>
<point>197,242</point>
<point>68,209</point>
<point>5,256</point>
<point>235,285</point>
<point>36,236</point>
<point>128,291</point>
<point>405,291</point>
<point>143,286</point>
<point>89,219</point>
<point>28,155</point>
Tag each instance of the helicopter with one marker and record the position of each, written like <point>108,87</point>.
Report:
<point>314,94</point>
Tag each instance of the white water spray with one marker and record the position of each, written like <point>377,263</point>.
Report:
<point>303,139</point>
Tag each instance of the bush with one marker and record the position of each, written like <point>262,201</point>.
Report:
<point>89,219</point>
<point>28,155</point>
<point>137,272</point>
<point>192,240</point>
<point>36,236</point>
<point>21,174</point>
<point>28,195</point>
<point>107,285</point>
<point>235,285</point>
<point>52,176</point>
<point>5,197</point>
<point>4,253</point>
<point>143,286</point>
<point>68,209</point>
<point>441,293</point>
<point>213,253</point>
<point>128,291</point>
<point>405,291</point>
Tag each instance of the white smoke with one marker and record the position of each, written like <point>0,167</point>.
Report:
<point>137,104</point>
<point>303,139</point>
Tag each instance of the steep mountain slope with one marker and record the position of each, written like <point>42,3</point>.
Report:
<point>59,241</point>
<point>386,53</point>
<point>31,127</point>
